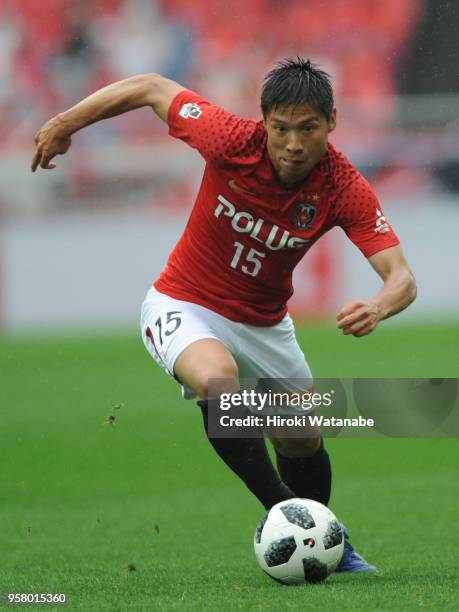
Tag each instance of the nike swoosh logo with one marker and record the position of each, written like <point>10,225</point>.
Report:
<point>235,187</point>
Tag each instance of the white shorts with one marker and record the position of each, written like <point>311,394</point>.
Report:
<point>169,326</point>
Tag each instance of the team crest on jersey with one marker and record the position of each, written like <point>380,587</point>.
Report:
<point>304,216</point>
<point>190,109</point>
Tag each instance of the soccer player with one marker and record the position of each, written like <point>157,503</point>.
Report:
<point>270,189</point>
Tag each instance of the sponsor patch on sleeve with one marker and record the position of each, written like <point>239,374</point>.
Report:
<point>190,109</point>
<point>381,226</point>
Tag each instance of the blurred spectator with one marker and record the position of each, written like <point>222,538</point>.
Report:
<point>139,39</point>
<point>56,51</point>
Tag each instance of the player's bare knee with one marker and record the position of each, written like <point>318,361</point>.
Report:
<point>204,361</point>
<point>215,380</point>
<point>219,380</point>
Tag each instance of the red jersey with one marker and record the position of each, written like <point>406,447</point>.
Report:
<point>247,231</point>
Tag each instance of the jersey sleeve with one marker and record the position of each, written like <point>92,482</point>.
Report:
<point>362,218</point>
<point>217,134</point>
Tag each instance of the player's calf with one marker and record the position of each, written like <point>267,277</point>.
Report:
<point>309,476</point>
<point>297,447</point>
<point>248,458</point>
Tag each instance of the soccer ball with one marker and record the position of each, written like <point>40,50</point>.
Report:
<point>298,541</point>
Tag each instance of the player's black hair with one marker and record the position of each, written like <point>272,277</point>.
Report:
<point>296,82</point>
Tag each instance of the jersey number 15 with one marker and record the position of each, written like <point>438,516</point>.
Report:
<point>252,257</point>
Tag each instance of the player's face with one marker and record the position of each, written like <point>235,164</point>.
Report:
<point>297,139</point>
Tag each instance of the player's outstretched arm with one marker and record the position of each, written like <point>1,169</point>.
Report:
<point>360,317</point>
<point>54,137</point>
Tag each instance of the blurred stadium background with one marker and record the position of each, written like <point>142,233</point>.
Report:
<point>81,245</point>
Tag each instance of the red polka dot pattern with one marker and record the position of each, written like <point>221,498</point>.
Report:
<point>355,208</point>
<point>217,134</point>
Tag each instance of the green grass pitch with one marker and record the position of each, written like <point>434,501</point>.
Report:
<point>140,514</point>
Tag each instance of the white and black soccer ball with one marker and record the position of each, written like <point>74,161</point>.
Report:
<point>298,541</point>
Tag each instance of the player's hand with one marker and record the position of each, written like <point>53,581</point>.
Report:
<point>51,140</point>
<point>358,317</point>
